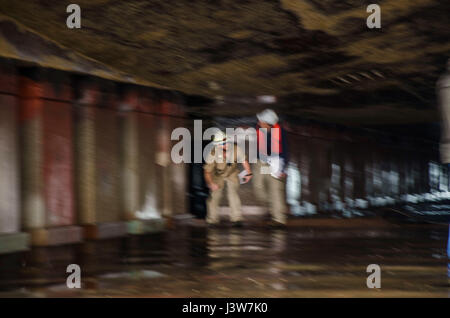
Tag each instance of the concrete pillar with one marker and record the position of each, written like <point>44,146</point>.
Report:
<point>162,183</point>
<point>401,157</point>
<point>11,239</point>
<point>179,176</point>
<point>47,159</point>
<point>314,173</point>
<point>323,174</point>
<point>130,156</point>
<point>385,165</point>
<point>368,172</point>
<point>414,175</point>
<point>173,176</point>
<point>293,182</point>
<point>139,181</point>
<point>359,160</point>
<point>154,187</point>
<point>100,206</point>
<point>305,167</point>
<point>164,162</point>
<point>377,161</point>
<point>424,174</point>
<point>337,184</point>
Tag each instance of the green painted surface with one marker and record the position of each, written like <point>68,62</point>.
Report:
<point>146,226</point>
<point>15,242</point>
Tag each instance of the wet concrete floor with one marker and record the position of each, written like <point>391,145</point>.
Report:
<point>310,258</point>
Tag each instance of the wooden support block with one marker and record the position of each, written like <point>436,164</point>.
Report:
<point>56,235</point>
<point>105,230</point>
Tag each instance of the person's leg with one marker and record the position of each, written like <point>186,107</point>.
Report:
<point>234,201</point>
<point>277,200</point>
<point>258,182</point>
<point>212,204</point>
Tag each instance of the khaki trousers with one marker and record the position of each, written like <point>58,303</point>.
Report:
<point>270,191</point>
<point>234,201</point>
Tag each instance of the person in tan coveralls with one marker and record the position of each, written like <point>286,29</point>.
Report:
<point>221,168</point>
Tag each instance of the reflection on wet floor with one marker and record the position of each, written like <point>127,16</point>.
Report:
<point>326,260</point>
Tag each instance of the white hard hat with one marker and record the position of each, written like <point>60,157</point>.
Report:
<point>267,116</point>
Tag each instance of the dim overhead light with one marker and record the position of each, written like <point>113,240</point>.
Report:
<point>267,99</point>
<point>213,85</point>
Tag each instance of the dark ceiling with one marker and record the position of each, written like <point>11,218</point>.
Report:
<point>317,56</point>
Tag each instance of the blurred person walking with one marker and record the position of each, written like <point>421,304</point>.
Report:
<point>221,168</point>
<point>443,92</point>
<point>270,174</point>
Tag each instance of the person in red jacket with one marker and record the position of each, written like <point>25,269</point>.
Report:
<point>270,173</point>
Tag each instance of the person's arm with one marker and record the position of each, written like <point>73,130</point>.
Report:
<point>209,181</point>
<point>241,157</point>
<point>247,168</point>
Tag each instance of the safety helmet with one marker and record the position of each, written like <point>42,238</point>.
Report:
<point>267,116</point>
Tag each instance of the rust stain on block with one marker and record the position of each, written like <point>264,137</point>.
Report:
<point>56,236</point>
<point>104,230</point>
<point>9,166</point>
